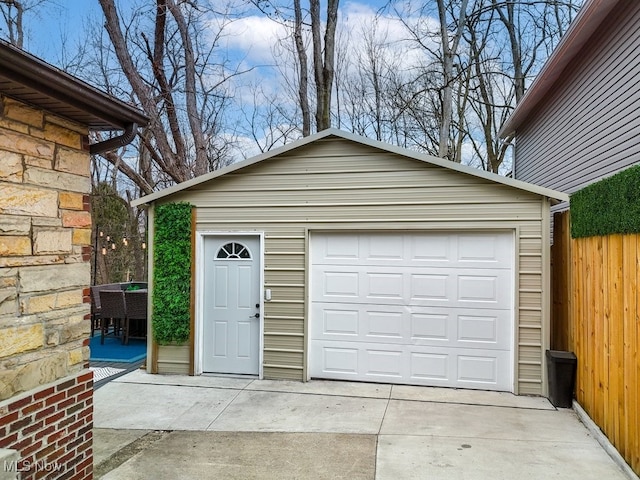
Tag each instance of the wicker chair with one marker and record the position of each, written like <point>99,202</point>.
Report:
<point>136,322</point>
<point>95,309</point>
<point>113,313</point>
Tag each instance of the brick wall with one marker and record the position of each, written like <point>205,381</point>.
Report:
<point>51,428</point>
<point>45,242</point>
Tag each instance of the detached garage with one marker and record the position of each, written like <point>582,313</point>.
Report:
<point>339,257</point>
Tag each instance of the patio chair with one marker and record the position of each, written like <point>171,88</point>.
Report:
<point>113,313</point>
<point>95,309</point>
<point>136,322</point>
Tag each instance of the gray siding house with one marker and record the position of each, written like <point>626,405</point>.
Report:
<point>340,257</point>
<point>579,121</point>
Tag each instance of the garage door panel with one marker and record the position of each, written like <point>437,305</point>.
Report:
<point>430,327</point>
<point>479,329</point>
<point>430,287</point>
<point>484,250</point>
<point>433,366</point>
<point>343,285</point>
<point>479,288</point>
<point>377,323</point>
<point>473,368</point>
<point>383,248</point>
<point>455,250</point>
<point>339,322</point>
<point>334,248</point>
<point>416,308</point>
<point>460,328</point>
<point>386,326</point>
<point>382,287</point>
<point>385,363</point>
<point>429,367</point>
<point>430,248</point>
<point>339,362</point>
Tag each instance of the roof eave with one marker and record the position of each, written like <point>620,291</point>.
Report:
<point>589,18</point>
<point>38,77</point>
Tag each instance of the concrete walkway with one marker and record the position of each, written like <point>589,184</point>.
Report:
<point>174,427</point>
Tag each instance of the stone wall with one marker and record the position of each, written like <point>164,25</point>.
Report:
<point>45,247</point>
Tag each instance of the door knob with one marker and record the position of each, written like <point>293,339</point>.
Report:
<point>257,315</point>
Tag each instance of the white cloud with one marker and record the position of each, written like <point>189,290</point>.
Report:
<point>254,37</point>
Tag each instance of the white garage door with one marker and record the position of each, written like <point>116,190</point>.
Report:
<point>421,308</point>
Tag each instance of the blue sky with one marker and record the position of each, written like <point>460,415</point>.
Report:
<point>47,26</point>
<point>64,22</point>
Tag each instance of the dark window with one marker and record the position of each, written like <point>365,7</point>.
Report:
<point>232,251</point>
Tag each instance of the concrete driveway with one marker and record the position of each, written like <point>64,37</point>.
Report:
<point>175,427</point>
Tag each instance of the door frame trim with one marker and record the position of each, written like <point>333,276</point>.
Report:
<point>199,303</point>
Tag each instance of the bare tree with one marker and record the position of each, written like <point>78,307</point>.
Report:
<point>507,44</point>
<point>323,59</point>
<point>480,63</point>
<point>449,51</point>
<point>303,69</point>
<point>13,23</point>
<point>529,25</point>
<point>323,55</point>
<point>179,74</point>
<point>13,14</point>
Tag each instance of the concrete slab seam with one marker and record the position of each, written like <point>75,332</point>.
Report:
<point>268,390</point>
<point>127,452</point>
<point>470,404</point>
<point>604,441</point>
<point>133,382</point>
<point>490,439</point>
<point>384,414</point>
<point>239,391</point>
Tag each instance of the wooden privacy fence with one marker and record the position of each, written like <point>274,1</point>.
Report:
<point>595,314</point>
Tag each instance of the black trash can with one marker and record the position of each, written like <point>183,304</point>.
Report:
<point>561,368</point>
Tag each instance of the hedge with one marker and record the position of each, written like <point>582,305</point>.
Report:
<point>609,206</point>
<point>172,273</point>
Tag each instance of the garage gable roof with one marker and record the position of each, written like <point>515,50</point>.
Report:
<point>332,132</point>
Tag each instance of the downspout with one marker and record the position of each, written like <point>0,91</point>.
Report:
<point>116,142</point>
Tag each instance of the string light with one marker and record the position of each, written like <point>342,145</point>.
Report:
<point>110,243</point>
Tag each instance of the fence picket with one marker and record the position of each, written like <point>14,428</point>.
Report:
<point>595,314</point>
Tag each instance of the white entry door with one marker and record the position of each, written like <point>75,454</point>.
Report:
<point>430,309</point>
<point>231,316</point>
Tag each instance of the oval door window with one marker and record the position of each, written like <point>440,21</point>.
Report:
<point>233,251</point>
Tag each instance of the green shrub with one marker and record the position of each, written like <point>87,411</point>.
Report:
<point>609,206</point>
<point>172,273</point>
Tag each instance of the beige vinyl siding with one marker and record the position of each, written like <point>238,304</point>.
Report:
<point>173,359</point>
<point>588,127</point>
<point>335,184</point>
